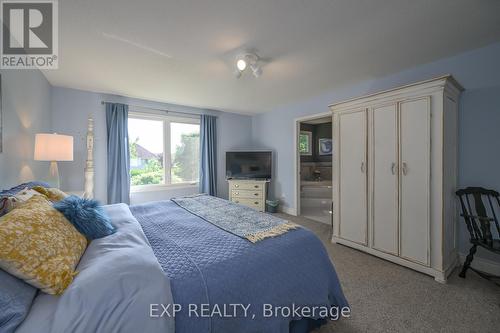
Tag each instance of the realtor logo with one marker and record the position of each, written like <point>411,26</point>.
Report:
<point>29,34</point>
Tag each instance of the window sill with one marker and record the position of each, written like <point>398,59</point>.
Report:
<point>161,187</point>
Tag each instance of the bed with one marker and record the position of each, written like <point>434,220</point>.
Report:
<point>167,270</point>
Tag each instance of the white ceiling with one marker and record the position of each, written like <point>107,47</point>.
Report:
<point>183,51</point>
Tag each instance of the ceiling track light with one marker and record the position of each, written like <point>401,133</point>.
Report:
<point>246,61</point>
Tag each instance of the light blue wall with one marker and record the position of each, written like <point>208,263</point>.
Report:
<point>26,111</point>
<point>71,109</point>
<point>479,133</point>
<point>235,132</point>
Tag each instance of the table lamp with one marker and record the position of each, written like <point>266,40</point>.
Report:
<point>53,148</point>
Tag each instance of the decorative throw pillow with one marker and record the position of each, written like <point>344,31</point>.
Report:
<point>8,200</point>
<point>87,216</point>
<point>52,193</point>
<point>7,204</point>
<point>40,246</point>
<point>16,297</point>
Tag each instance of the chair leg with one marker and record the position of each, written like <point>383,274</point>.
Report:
<point>468,261</point>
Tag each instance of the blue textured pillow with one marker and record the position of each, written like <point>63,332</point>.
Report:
<point>16,297</point>
<point>87,216</point>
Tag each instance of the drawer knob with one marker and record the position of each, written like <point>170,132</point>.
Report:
<point>256,202</point>
<point>256,194</point>
<point>236,192</point>
<point>256,186</point>
<point>236,201</point>
<point>236,185</point>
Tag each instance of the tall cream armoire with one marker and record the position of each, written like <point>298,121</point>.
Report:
<point>395,174</point>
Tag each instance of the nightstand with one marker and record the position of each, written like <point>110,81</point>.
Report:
<point>251,193</point>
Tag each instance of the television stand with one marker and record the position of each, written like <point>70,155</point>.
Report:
<point>249,192</point>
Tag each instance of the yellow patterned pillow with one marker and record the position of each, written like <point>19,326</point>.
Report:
<point>53,194</point>
<point>39,246</point>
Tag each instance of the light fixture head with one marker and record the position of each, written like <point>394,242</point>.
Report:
<point>244,61</point>
<point>241,64</point>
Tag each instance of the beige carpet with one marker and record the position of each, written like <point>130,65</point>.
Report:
<point>385,297</point>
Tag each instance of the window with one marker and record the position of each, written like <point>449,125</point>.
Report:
<point>184,152</point>
<point>305,143</point>
<point>164,150</point>
<point>146,151</point>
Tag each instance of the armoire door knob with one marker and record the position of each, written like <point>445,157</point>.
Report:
<point>393,168</point>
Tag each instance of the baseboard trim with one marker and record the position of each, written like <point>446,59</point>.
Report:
<point>289,210</point>
<point>483,265</point>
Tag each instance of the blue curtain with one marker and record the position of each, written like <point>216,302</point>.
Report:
<point>208,155</point>
<point>118,153</point>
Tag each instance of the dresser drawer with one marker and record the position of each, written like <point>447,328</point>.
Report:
<point>247,194</point>
<point>253,203</point>
<point>244,186</point>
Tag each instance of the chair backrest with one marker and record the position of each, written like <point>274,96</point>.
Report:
<point>480,218</point>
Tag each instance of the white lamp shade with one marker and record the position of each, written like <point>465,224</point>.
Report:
<point>53,147</point>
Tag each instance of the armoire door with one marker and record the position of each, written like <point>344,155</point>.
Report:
<point>352,176</point>
<point>414,179</point>
<point>385,179</point>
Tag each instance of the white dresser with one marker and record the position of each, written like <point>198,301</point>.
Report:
<point>251,193</point>
<point>395,173</point>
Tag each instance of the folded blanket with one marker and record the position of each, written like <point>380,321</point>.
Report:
<point>239,220</point>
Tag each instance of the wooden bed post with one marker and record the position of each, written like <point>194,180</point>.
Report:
<point>89,167</point>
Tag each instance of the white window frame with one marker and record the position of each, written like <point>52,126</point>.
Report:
<point>310,148</point>
<point>167,149</point>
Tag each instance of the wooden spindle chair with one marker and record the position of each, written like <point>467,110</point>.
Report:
<point>480,207</point>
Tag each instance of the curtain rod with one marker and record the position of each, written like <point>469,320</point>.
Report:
<point>157,109</point>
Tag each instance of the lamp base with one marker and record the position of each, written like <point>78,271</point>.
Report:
<point>53,179</point>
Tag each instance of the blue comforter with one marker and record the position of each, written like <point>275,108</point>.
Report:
<point>209,266</point>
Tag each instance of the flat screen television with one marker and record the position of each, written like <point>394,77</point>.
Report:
<point>249,164</point>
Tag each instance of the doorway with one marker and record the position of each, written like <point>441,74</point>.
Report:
<point>313,167</point>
